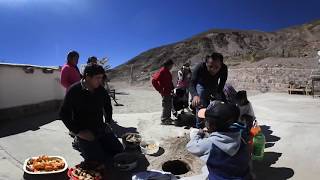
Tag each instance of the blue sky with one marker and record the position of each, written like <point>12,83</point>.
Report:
<point>41,32</point>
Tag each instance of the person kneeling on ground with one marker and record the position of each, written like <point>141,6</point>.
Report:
<point>82,113</point>
<point>207,82</point>
<point>224,151</point>
<point>245,106</point>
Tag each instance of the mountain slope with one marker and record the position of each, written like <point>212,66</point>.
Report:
<point>237,46</point>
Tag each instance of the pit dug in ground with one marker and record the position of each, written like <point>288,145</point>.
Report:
<point>176,159</point>
<point>176,167</point>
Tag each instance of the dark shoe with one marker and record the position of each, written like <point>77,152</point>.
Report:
<point>167,121</point>
<point>174,113</point>
<point>72,134</point>
<point>75,144</point>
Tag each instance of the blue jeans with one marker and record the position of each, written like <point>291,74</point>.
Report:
<point>204,95</point>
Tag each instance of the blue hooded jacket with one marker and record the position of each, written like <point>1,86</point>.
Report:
<point>225,154</point>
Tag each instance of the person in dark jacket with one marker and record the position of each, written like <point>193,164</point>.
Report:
<point>208,79</point>
<point>162,82</point>
<point>92,60</point>
<point>224,150</point>
<point>82,113</point>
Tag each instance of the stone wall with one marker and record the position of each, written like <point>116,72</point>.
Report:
<point>268,79</point>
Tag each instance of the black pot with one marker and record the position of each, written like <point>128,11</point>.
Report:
<point>131,144</point>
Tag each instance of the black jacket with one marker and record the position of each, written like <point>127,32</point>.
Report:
<point>200,75</point>
<point>83,110</point>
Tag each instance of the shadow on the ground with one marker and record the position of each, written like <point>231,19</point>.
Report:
<point>116,174</point>
<point>122,93</point>
<point>28,123</point>
<point>58,176</point>
<point>270,139</point>
<point>262,169</point>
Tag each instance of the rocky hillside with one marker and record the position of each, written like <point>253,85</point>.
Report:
<point>239,47</point>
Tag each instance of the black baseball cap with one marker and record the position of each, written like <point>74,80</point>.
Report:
<point>222,114</point>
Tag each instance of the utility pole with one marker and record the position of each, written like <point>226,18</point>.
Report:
<point>131,75</point>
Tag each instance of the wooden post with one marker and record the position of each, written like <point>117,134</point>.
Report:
<point>131,75</point>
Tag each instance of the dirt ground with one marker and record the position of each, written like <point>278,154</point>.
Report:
<point>144,104</point>
<point>175,150</point>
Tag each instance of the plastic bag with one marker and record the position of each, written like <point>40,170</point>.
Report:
<point>153,175</point>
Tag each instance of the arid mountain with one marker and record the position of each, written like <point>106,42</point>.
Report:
<point>237,46</point>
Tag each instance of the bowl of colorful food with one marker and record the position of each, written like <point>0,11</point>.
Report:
<point>45,165</point>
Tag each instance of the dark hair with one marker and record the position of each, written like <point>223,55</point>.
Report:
<point>222,116</point>
<point>215,57</point>
<point>168,63</point>
<point>241,98</point>
<point>91,59</point>
<point>72,54</point>
<point>92,70</point>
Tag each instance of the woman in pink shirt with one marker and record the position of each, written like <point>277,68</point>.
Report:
<point>70,73</point>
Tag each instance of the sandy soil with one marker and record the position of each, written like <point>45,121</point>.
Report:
<point>175,150</point>
<point>141,110</point>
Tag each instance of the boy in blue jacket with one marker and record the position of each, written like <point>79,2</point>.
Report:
<point>224,150</point>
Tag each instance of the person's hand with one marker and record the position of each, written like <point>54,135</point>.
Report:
<point>108,129</point>
<point>195,101</point>
<point>86,135</point>
<point>201,133</point>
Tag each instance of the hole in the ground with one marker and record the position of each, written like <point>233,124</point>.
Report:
<point>176,167</point>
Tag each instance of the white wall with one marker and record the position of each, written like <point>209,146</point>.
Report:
<point>19,88</point>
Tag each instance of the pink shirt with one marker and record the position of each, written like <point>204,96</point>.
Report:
<point>69,76</point>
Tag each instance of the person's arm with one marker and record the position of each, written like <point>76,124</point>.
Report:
<point>156,79</point>
<point>199,146</point>
<point>65,74</point>
<point>223,78</point>
<point>66,113</point>
<point>194,80</point>
<point>171,83</point>
<point>250,111</point>
<point>180,75</point>
<point>108,108</point>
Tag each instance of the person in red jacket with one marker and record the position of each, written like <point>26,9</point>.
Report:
<point>70,73</point>
<point>162,82</point>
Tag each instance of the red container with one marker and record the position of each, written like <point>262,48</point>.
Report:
<point>75,178</point>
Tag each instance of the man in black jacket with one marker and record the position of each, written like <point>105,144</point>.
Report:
<point>208,79</point>
<point>82,113</point>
